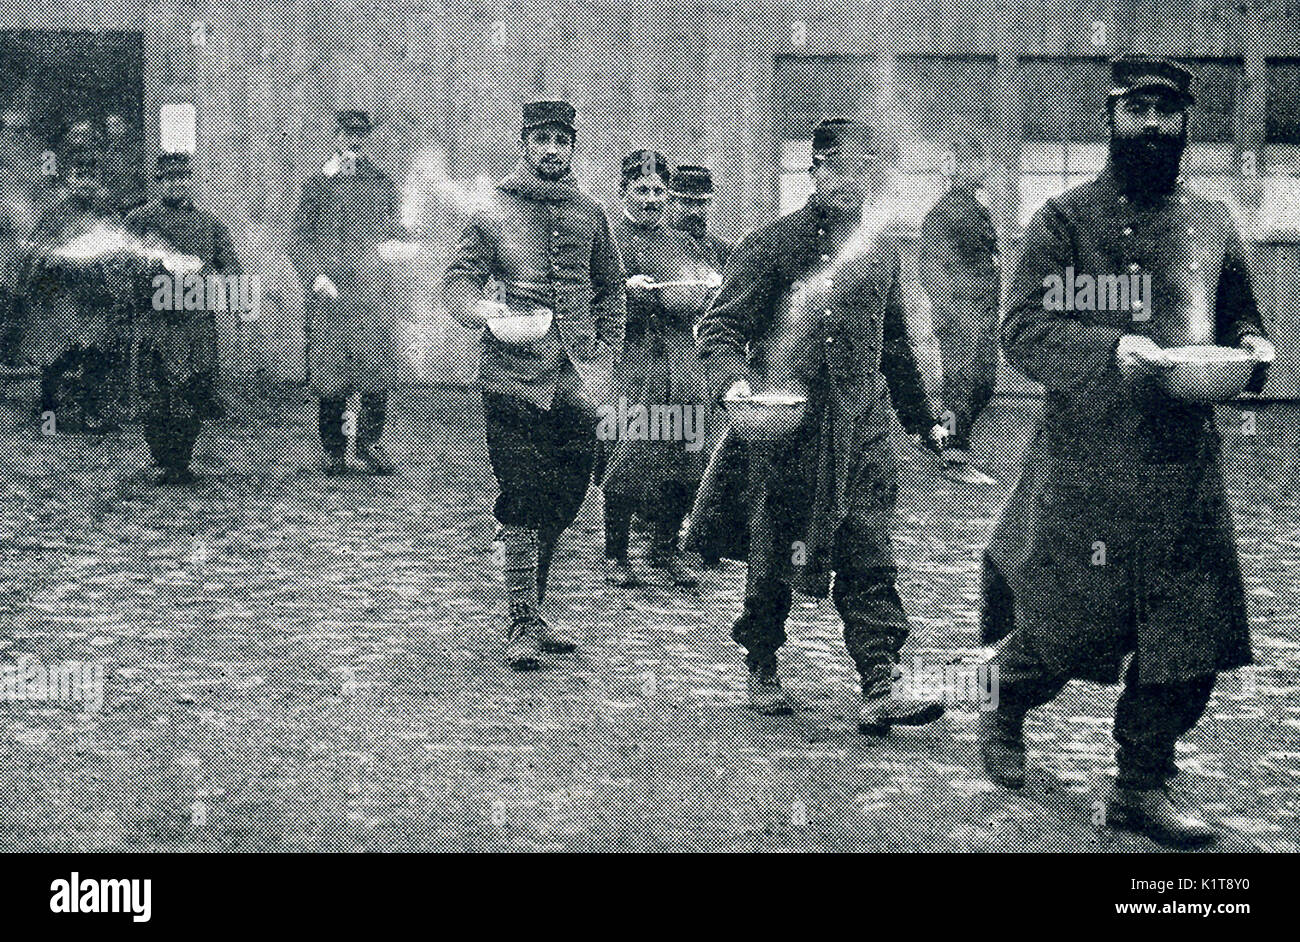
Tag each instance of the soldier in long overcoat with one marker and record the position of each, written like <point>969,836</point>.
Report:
<point>543,246</point>
<point>1118,539</point>
<point>958,262</point>
<point>347,210</point>
<point>656,477</point>
<point>813,303</point>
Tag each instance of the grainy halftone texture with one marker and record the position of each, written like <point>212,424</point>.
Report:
<point>300,661</point>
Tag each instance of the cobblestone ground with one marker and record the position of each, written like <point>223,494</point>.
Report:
<point>298,662</point>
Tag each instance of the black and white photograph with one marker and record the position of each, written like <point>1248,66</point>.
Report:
<point>591,426</point>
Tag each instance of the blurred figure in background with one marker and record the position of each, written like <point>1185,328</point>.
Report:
<point>347,210</point>
<point>178,339</point>
<point>75,298</point>
<point>958,255</point>
<point>691,192</point>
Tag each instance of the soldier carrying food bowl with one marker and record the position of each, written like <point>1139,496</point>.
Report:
<point>1118,539</point>
<point>537,271</point>
<point>811,304</point>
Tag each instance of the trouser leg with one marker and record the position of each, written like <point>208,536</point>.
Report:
<point>332,438</point>
<point>875,625</point>
<point>997,604</point>
<point>370,424</point>
<point>1149,719</point>
<point>1023,682</point>
<point>542,461</point>
<point>760,630</point>
<point>618,524</point>
<point>519,571</point>
<point>667,519</point>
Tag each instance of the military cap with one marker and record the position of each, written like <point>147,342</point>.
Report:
<point>171,165</point>
<point>1130,74</point>
<point>354,122</point>
<point>539,113</point>
<point>691,182</point>
<point>833,133</point>
<point>638,162</point>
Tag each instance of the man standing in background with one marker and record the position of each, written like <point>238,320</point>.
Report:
<point>544,246</point>
<point>691,190</point>
<point>958,255</point>
<point>347,210</point>
<point>178,342</point>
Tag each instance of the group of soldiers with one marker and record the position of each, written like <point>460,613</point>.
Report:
<point>84,309</point>
<point>815,301</point>
<point>658,311</point>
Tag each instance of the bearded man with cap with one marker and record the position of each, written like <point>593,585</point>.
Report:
<point>348,209</point>
<point>1121,468</point>
<point>540,246</point>
<point>178,341</point>
<point>813,303</point>
<point>656,475</point>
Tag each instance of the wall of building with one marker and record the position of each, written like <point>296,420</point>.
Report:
<point>444,81</point>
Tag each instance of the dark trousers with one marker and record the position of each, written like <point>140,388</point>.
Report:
<point>665,521</point>
<point>370,422</point>
<point>967,397</point>
<point>170,435</point>
<point>875,625</point>
<point>542,460</point>
<point>83,376</point>
<point>1149,718</point>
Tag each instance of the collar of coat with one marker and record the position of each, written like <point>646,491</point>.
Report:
<point>335,164</point>
<point>524,182</point>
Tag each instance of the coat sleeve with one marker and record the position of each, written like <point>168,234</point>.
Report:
<point>609,294</point>
<point>749,287</point>
<point>1236,312</point>
<point>1052,347</point>
<point>468,273</point>
<point>224,257</point>
<point>934,255</point>
<point>304,236</point>
<point>904,349</point>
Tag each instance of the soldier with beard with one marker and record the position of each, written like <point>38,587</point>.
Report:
<point>546,247</point>
<point>1120,467</point>
<point>821,499</point>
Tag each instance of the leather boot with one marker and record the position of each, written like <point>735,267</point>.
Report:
<point>1002,748</point>
<point>1150,812</point>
